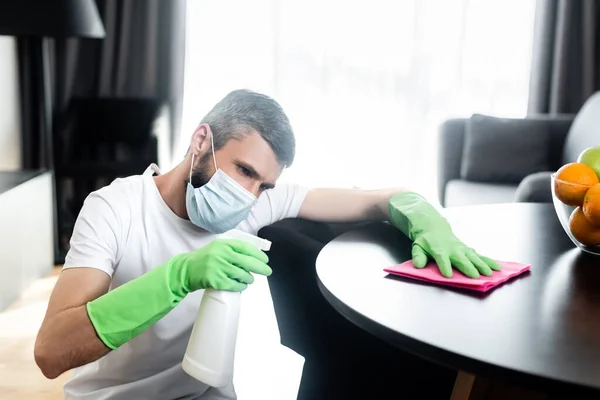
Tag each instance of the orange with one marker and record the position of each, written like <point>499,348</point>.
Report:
<point>583,230</point>
<point>591,205</point>
<point>572,182</point>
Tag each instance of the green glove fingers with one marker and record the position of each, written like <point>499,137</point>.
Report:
<point>443,263</point>
<point>464,265</point>
<point>432,237</point>
<point>478,263</point>
<point>232,285</point>
<point>250,264</point>
<point>125,312</point>
<point>226,279</point>
<point>246,249</point>
<point>419,256</point>
<point>240,275</point>
<point>209,267</point>
<point>490,263</point>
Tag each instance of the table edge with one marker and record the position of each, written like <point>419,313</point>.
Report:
<point>444,357</point>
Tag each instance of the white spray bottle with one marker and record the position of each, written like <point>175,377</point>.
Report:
<point>210,352</point>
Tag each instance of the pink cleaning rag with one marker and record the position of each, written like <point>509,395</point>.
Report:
<point>431,273</point>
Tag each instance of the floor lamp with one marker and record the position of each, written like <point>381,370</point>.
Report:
<point>39,20</point>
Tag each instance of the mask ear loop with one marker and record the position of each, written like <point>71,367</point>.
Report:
<point>191,167</point>
<point>212,144</point>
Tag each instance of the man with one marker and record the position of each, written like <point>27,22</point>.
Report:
<point>144,248</point>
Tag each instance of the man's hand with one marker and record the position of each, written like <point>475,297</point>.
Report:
<point>431,234</point>
<point>432,237</point>
<point>223,264</point>
<point>125,312</point>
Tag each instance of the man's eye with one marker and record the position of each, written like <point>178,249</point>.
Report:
<point>245,171</point>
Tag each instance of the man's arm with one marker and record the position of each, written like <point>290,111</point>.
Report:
<point>85,320</point>
<point>67,338</point>
<point>431,234</point>
<point>347,205</point>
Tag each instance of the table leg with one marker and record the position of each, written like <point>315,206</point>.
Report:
<point>462,386</point>
<point>470,387</point>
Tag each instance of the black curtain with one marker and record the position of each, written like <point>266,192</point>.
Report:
<point>565,69</point>
<point>142,56</point>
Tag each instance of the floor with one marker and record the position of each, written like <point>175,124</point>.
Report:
<point>20,378</point>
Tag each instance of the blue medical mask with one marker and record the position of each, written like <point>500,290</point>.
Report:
<point>219,205</point>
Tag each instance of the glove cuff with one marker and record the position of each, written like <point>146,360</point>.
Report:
<point>412,214</point>
<point>123,313</point>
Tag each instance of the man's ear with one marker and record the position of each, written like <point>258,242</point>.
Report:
<point>200,139</point>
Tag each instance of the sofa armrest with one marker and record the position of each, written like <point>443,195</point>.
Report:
<point>559,127</point>
<point>535,188</point>
<point>451,139</point>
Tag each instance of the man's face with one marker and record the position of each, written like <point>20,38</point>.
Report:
<point>250,161</point>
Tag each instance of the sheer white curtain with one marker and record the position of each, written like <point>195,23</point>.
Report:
<point>365,84</point>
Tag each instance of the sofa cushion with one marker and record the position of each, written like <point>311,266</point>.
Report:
<point>464,193</point>
<point>504,150</point>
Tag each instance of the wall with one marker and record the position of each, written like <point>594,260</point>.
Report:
<point>26,235</point>
<point>10,123</point>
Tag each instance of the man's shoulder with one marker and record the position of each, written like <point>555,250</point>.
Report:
<point>120,194</point>
<point>120,187</point>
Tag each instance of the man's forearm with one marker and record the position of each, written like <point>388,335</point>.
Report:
<point>347,205</point>
<point>383,203</point>
<point>82,334</point>
<point>67,341</point>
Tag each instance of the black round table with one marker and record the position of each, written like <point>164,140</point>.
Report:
<point>542,327</point>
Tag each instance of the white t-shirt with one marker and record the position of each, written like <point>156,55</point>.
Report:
<point>126,229</point>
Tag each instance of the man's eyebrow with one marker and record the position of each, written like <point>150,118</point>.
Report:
<point>254,174</point>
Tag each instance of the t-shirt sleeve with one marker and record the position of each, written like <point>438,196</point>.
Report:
<point>283,201</point>
<point>96,236</point>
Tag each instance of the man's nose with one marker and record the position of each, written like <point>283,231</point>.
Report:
<point>253,187</point>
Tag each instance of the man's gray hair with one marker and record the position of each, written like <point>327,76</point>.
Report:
<point>242,110</point>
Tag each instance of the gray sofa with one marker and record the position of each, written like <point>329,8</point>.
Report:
<point>485,159</point>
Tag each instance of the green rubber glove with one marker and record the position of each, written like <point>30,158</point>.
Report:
<point>432,237</point>
<point>125,312</point>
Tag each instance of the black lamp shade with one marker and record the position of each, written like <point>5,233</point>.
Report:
<point>51,18</point>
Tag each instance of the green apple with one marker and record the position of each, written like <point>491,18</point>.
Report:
<point>591,157</point>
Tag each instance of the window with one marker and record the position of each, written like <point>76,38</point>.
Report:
<point>366,84</point>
